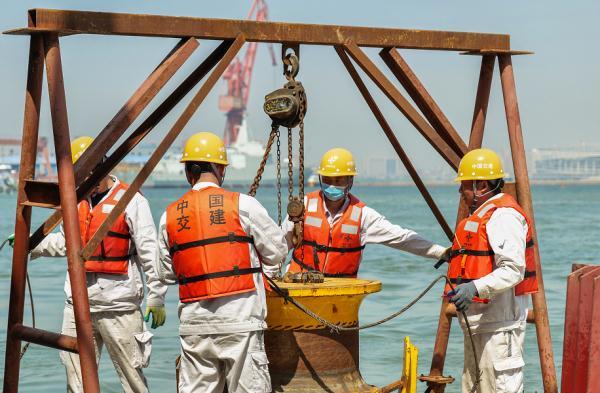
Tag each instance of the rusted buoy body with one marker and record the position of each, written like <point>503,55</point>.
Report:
<point>305,356</point>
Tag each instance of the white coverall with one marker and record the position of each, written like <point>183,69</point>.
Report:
<point>222,338</point>
<point>376,229</point>
<point>499,326</point>
<point>115,301</point>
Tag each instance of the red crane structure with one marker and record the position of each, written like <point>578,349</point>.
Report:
<point>238,77</point>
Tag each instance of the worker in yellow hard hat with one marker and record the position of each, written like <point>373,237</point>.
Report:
<point>337,225</point>
<point>493,270</point>
<point>212,242</point>
<point>114,279</point>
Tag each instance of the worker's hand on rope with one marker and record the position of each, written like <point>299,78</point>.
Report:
<point>462,296</point>
<point>159,315</point>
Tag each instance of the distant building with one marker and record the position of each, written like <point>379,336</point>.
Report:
<point>382,168</point>
<point>565,164</point>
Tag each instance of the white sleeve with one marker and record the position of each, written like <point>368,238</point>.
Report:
<point>143,235</point>
<point>507,234</point>
<point>53,245</point>
<point>287,227</point>
<point>164,264</point>
<point>269,240</point>
<point>375,229</point>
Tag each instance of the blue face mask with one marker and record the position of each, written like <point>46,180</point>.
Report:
<point>333,193</point>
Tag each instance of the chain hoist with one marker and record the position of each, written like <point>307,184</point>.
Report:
<point>286,107</point>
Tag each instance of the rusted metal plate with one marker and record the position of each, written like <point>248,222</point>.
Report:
<point>593,376</point>
<point>73,22</point>
<point>584,324</point>
<point>570,329</point>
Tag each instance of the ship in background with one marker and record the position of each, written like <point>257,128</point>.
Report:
<point>244,155</point>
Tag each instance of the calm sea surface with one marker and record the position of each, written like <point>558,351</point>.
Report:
<point>568,224</point>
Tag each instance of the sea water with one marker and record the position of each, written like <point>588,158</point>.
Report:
<point>568,225</point>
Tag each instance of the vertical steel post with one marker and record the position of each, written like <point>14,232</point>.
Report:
<point>33,94</point>
<point>524,197</point>
<point>68,202</point>
<point>475,139</point>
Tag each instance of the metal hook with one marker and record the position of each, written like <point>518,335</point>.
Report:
<point>291,66</point>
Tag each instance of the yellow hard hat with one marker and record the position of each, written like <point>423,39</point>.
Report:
<point>337,162</point>
<point>79,145</point>
<point>205,147</point>
<point>480,164</point>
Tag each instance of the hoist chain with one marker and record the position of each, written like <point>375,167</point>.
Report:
<point>263,163</point>
<point>301,172</point>
<point>290,165</point>
<point>278,177</point>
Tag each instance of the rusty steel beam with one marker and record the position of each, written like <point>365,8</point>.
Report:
<point>87,165</point>
<point>42,194</point>
<point>394,141</point>
<point>68,202</point>
<point>394,95</point>
<point>132,108</point>
<point>33,94</point>
<point>45,338</point>
<point>421,97</point>
<point>156,116</point>
<point>524,197</point>
<point>84,22</point>
<point>163,146</point>
<point>481,101</point>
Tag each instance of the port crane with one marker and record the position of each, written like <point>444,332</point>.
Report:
<point>238,77</point>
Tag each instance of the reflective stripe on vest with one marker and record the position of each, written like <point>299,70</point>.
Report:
<point>112,255</point>
<point>208,245</point>
<point>336,251</point>
<point>472,257</point>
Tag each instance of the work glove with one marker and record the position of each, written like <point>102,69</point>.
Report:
<point>10,240</point>
<point>159,315</point>
<point>462,295</point>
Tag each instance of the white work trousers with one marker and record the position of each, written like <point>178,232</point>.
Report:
<point>500,356</point>
<point>128,346</point>
<point>210,361</point>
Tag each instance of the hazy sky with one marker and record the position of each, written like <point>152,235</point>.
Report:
<point>557,87</point>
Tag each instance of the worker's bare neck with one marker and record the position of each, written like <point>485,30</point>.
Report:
<point>334,206</point>
<point>207,177</point>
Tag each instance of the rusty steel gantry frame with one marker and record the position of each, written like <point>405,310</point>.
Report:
<point>76,180</point>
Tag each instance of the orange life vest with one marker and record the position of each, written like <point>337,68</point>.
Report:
<point>336,251</point>
<point>472,256</point>
<point>112,255</point>
<point>208,245</point>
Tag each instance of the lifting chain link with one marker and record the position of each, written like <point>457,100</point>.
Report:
<point>263,163</point>
<point>286,107</point>
<point>278,177</point>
